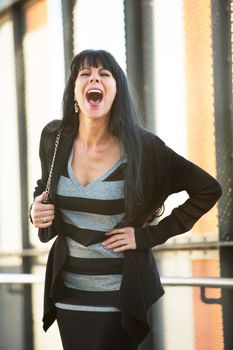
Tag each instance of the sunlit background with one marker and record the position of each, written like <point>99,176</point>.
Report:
<point>171,51</point>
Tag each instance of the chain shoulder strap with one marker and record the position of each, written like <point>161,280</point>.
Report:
<point>47,189</point>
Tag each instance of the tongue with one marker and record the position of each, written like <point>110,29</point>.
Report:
<point>94,102</point>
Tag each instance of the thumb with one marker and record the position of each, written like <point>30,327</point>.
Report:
<point>41,197</point>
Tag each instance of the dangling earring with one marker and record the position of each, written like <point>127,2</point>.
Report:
<point>76,106</point>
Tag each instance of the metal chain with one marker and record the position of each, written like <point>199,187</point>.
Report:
<point>47,189</point>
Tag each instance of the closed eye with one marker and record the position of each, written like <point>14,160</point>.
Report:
<point>105,72</point>
<point>102,73</point>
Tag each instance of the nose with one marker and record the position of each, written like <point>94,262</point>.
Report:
<point>94,79</point>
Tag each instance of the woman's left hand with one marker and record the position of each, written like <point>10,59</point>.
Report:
<point>121,239</point>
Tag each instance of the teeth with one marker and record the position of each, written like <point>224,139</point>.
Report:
<point>95,91</point>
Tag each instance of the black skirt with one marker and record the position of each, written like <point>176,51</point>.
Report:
<point>87,330</point>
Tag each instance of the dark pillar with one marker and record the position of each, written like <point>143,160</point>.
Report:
<point>148,9</point>
<point>222,61</point>
<point>19,31</point>
<point>139,27</point>
<point>134,50</point>
<point>68,25</point>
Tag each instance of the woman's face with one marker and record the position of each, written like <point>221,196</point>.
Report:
<point>95,91</point>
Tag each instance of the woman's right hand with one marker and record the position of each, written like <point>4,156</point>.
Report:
<point>42,214</point>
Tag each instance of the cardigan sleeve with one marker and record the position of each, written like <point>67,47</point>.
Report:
<point>46,148</point>
<point>41,183</point>
<point>203,191</point>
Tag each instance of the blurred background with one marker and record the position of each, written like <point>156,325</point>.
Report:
<point>177,55</point>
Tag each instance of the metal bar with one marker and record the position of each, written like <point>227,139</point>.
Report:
<point>20,278</point>
<point>226,283</point>
<point>194,246</point>
<point>207,300</point>
<point>31,252</point>
<point>34,252</point>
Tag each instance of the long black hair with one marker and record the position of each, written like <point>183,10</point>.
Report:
<point>124,120</point>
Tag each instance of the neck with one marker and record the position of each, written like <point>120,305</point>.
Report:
<point>93,132</point>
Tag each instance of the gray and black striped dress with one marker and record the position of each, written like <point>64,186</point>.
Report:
<point>92,274</point>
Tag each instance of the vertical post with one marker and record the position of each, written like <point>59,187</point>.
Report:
<point>68,24</point>
<point>19,31</point>
<point>139,28</point>
<point>134,50</point>
<point>222,61</point>
<point>148,49</point>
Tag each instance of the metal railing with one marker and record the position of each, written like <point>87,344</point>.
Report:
<point>22,278</point>
<point>200,245</point>
<point>201,282</point>
<point>213,282</point>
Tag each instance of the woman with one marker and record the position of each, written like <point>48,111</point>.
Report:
<point>110,180</point>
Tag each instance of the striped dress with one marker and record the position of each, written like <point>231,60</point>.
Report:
<point>92,274</point>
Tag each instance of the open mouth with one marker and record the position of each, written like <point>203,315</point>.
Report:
<point>94,96</point>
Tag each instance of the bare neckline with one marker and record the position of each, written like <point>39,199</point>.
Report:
<point>100,178</point>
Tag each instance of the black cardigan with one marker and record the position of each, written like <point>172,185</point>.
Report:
<point>164,172</point>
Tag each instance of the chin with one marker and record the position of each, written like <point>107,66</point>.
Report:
<point>96,114</point>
